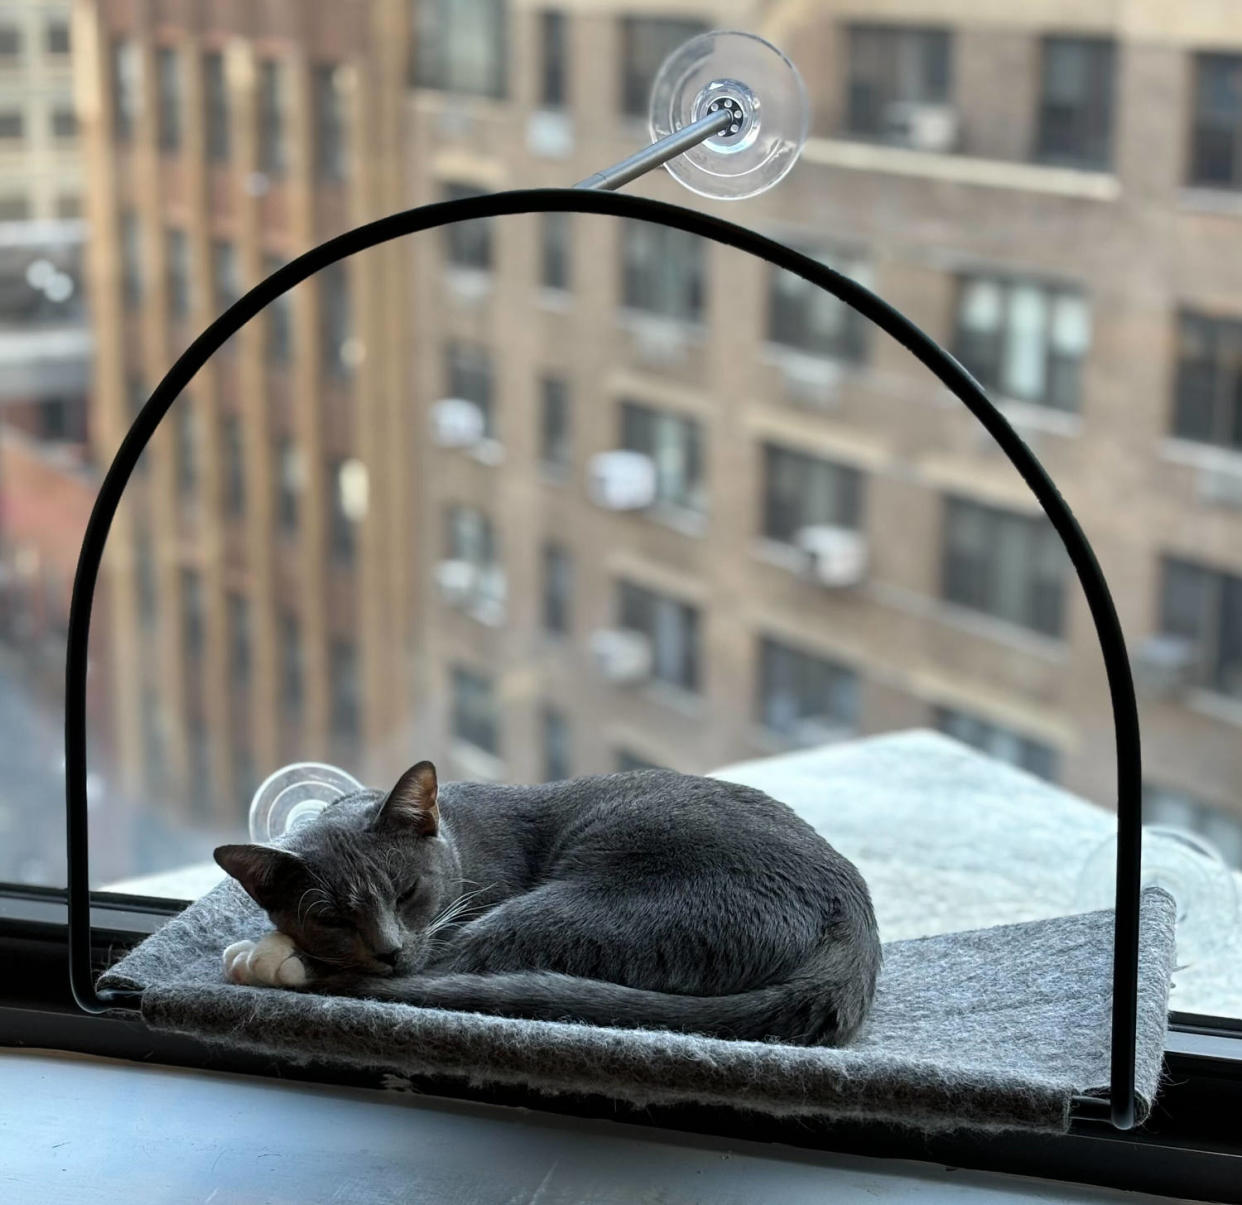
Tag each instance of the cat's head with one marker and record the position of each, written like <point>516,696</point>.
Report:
<point>360,885</point>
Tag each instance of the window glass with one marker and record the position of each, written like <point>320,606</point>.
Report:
<point>546,494</point>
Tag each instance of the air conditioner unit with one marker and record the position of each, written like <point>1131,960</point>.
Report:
<point>457,581</point>
<point>921,127</point>
<point>836,556</point>
<point>457,423</point>
<point>623,656</point>
<point>1165,665</point>
<point>621,480</point>
<point>550,134</point>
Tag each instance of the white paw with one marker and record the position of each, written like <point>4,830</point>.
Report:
<point>272,961</point>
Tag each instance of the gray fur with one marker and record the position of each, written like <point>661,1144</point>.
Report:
<point>647,899</point>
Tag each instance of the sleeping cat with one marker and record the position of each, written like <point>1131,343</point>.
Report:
<point>643,899</point>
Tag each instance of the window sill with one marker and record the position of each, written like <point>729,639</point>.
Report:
<point>676,698</point>
<point>681,519</point>
<point>489,452</point>
<point>468,286</point>
<point>552,473</point>
<point>1223,202</point>
<point>555,301</point>
<point>660,339</point>
<point>1216,706</point>
<point>809,378</point>
<point>963,169</point>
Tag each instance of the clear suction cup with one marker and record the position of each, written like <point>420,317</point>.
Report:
<point>1191,871</point>
<point>748,77</point>
<point>295,794</point>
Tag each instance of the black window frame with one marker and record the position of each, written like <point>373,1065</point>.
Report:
<point>681,483</point>
<point>474,714</point>
<point>170,92</point>
<point>984,352</point>
<point>1029,753</point>
<point>217,121</point>
<point>1077,131</point>
<point>336,320</point>
<point>1209,615</point>
<point>469,373</point>
<point>272,118</point>
<point>343,533</point>
<point>556,251</point>
<point>468,246</point>
<point>331,123</point>
<point>806,319</point>
<point>1215,134</point>
<point>1044,604</point>
<point>12,42</point>
<point>553,59</point>
<point>801,489</point>
<point>345,696</point>
<point>232,464</point>
<point>556,743</point>
<point>441,26</point>
<point>56,37</point>
<point>125,92</point>
<point>791,671</point>
<point>556,424</point>
<point>1207,381</point>
<point>663,273</point>
<point>899,54</point>
<point>640,609</point>
<point>646,41</point>
<point>556,562</point>
<point>64,122</point>
<point>178,273</point>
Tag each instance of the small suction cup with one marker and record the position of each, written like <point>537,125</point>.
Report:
<point>295,794</point>
<point>1191,871</point>
<point>748,77</point>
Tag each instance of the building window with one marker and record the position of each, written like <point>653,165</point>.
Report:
<point>10,43</point>
<point>804,491</point>
<point>336,320</point>
<point>1008,565</point>
<point>233,485</point>
<point>240,642</point>
<point>64,123</point>
<point>469,372</point>
<point>1204,605</point>
<point>137,394</point>
<point>68,205</point>
<point>216,131</point>
<point>272,103</point>
<point>555,429</point>
<point>999,742</point>
<point>645,43</point>
<point>56,37</point>
<point>556,744</point>
<point>803,316</point>
<point>200,784</point>
<point>557,589</point>
<point>292,669</point>
<point>554,64</point>
<point>177,269</point>
<point>330,162</point>
<point>671,626</point>
<point>467,244</point>
<point>675,445</point>
<point>891,67</point>
<point>1216,133</point>
<point>343,513</point>
<point>345,695</point>
<point>14,209</point>
<point>627,759</point>
<point>461,46</point>
<point>662,271</point>
<point>131,259</point>
<point>278,320</point>
<point>225,277</point>
<point>1208,403</point>
<point>475,716</point>
<point>126,89</point>
<point>290,477</point>
<point>144,574</point>
<point>1076,105</point>
<point>171,106</point>
<point>1024,339</point>
<point>185,428</point>
<point>803,697</point>
<point>12,124</point>
<point>192,629</point>
<point>469,536</point>
<point>1178,809</point>
<point>554,250</point>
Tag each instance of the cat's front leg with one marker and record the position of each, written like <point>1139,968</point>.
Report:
<point>272,961</point>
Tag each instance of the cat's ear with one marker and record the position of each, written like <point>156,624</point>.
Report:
<point>270,876</point>
<point>411,805</point>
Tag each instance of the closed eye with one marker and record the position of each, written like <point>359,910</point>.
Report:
<point>335,922</point>
<point>406,896</point>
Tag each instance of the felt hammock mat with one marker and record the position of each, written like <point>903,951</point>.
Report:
<point>992,1029</point>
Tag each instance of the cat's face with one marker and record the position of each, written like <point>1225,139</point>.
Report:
<point>361,885</point>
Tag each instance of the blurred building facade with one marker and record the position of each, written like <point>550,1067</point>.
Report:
<point>437,550</point>
<point>250,613</point>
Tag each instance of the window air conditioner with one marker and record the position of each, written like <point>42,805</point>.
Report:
<point>458,581</point>
<point>457,423</point>
<point>1165,665</point>
<point>836,556</point>
<point>921,127</point>
<point>621,480</point>
<point>623,656</point>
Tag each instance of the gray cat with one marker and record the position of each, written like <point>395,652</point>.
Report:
<point>644,899</point>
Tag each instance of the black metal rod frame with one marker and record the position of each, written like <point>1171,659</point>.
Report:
<point>1121,1102</point>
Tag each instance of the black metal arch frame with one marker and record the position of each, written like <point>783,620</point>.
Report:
<point>1121,1105</point>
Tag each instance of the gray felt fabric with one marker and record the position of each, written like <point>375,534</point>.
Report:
<point>992,1029</point>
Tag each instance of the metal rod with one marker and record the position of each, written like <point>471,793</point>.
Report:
<point>641,162</point>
